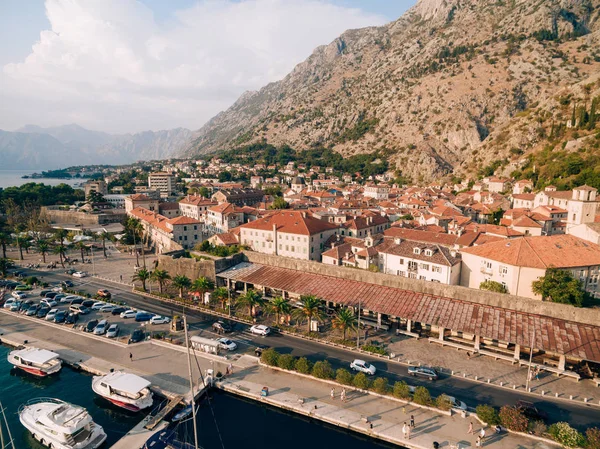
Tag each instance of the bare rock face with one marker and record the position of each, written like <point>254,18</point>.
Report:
<point>447,87</point>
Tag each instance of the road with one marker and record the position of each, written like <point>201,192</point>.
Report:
<point>472,393</point>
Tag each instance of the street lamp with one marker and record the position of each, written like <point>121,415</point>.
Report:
<point>358,328</point>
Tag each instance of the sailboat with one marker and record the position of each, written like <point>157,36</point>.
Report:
<point>169,438</point>
<point>11,442</point>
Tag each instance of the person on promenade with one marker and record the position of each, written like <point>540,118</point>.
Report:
<point>343,395</point>
<point>230,368</point>
<point>332,393</point>
<point>408,433</point>
<point>478,442</point>
<point>130,357</point>
<point>405,430</point>
<point>482,433</point>
<point>471,431</point>
<point>412,420</point>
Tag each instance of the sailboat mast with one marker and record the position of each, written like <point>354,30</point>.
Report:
<point>11,441</point>
<point>187,347</point>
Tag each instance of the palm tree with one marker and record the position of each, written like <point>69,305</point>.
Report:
<point>182,283</point>
<point>43,248</point>
<point>161,277</point>
<point>26,245</point>
<point>60,235</point>
<point>202,285</point>
<point>5,264</point>
<point>105,236</point>
<point>21,242</point>
<point>81,246</point>
<point>279,306</point>
<point>344,320</point>
<point>252,299</point>
<point>134,225</point>
<point>4,240</point>
<point>142,275</point>
<point>221,294</point>
<point>60,250</point>
<point>310,308</point>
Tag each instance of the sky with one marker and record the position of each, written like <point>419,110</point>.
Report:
<point>133,65</point>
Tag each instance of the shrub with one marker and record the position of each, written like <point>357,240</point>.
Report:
<point>270,357</point>
<point>443,402</point>
<point>286,361</point>
<point>344,376</point>
<point>380,385</point>
<point>422,396</point>
<point>593,438</point>
<point>323,370</point>
<point>563,433</point>
<point>303,365</point>
<point>361,381</point>
<point>488,414</point>
<point>401,390</point>
<point>374,349</point>
<point>512,418</point>
<point>537,428</point>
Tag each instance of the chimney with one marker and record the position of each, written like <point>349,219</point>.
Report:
<point>397,240</point>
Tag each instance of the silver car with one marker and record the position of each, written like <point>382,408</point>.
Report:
<point>101,328</point>
<point>113,331</point>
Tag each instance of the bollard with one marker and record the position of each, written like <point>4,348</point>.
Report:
<point>571,397</point>
<point>452,372</point>
<point>488,381</point>
<point>585,400</point>
<point>464,374</point>
<point>543,393</point>
<point>555,395</point>
<point>476,377</point>
<point>514,387</point>
<point>529,389</point>
<point>501,383</point>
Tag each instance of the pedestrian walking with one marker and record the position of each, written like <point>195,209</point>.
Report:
<point>404,430</point>
<point>537,374</point>
<point>482,433</point>
<point>230,368</point>
<point>471,431</point>
<point>478,442</point>
<point>130,357</point>
<point>412,420</point>
<point>332,393</point>
<point>343,395</point>
<point>121,277</point>
<point>404,409</point>
<point>408,433</point>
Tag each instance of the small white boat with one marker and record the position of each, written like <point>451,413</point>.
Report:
<point>60,425</point>
<point>125,390</point>
<point>39,362</point>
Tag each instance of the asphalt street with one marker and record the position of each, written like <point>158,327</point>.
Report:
<point>471,392</point>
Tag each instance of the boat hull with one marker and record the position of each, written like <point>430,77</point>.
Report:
<point>125,405</point>
<point>34,371</point>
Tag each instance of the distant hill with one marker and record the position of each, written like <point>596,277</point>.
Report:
<point>452,87</point>
<point>36,148</point>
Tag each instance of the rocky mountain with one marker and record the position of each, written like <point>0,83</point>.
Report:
<point>33,147</point>
<point>450,87</point>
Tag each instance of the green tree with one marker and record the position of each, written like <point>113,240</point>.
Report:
<point>142,275</point>
<point>104,236</point>
<point>487,414</point>
<point>61,252</point>
<point>221,294</point>
<point>513,418</point>
<point>310,308</point>
<point>81,246</point>
<point>43,248</point>
<point>61,236</point>
<point>286,361</point>
<point>303,365</point>
<point>381,386</point>
<point>21,243</point>
<point>251,299</point>
<point>344,320</point>
<point>203,191</point>
<point>493,286</point>
<point>279,306</point>
<point>270,357</point>
<point>161,277</point>
<point>443,402</point>
<point>566,435</point>
<point>279,203</point>
<point>592,436</point>
<point>323,370</point>
<point>4,241</point>
<point>202,285</point>
<point>5,264</point>
<point>401,390</point>
<point>422,396</point>
<point>181,282</point>
<point>343,376</point>
<point>361,381</point>
<point>559,286</point>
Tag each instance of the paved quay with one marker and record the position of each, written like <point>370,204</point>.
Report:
<point>166,366</point>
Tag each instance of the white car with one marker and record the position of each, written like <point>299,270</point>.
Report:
<point>9,302</point>
<point>460,405</point>
<point>363,367</point>
<point>158,319</point>
<point>128,314</point>
<point>51,315</point>
<point>260,329</point>
<point>226,343</point>
<point>18,295</point>
<point>101,328</point>
<point>69,298</point>
<point>107,308</point>
<point>79,274</point>
<point>113,331</point>
<point>48,302</point>
<point>98,305</point>
<point>57,289</point>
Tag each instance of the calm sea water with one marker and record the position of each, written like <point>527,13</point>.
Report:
<point>236,422</point>
<point>10,178</point>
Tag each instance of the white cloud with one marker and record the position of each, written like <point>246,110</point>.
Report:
<point>110,65</point>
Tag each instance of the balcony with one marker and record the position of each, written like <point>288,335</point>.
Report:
<point>486,270</point>
<point>413,268</point>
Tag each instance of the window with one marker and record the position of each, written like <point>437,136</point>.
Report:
<point>280,246</point>
<point>412,275</point>
<point>195,236</point>
<point>416,250</point>
<point>287,247</point>
<point>503,271</point>
<point>293,248</point>
<point>436,269</point>
<point>401,261</point>
<point>402,273</point>
<point>412,265</point>
<point>422,278</point>
<point>435,280</point>
<point>185,228</point>
<point>428,252</point>
<point>185,237</point>
<point>195,227</point>
<point>425,266</point>
<point>179,238</point>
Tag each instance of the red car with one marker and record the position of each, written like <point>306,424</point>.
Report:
<point>103,293</point>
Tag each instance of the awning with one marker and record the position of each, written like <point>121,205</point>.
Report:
<point>38,356</point>
<point>127,383</point>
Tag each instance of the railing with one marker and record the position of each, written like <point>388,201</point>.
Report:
<point>40,400</point>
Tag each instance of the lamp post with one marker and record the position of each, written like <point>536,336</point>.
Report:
<point>530,359</point>
<point>358,328</point>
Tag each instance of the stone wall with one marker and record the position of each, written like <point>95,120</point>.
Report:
<point>562,311</point>
<point>175,264</point>
<point>55,215</point>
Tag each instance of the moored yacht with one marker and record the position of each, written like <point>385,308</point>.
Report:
<point>39,362</point>
<point>125,390</point>
<point>61,425</point>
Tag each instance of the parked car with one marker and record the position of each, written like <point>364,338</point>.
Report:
<point>60,297</point>
<point>137,336</point>
<point>259,350</point>
<point>112,331</point>
<point>43,293</point>
<point>33,310</point>
<point>143,316</point>
<point>60,316</point>
<point>98,305</point>
<point>75,308</point>
<point>42,311</point>
<point>51,314</point>
<point>18,294</point>
<point>107,308</point>
<point>260,329</point>
<point>128,314</point>
<point>363,367</point>
<point>101,327</point>
<point>159,319</point>
<point>221,327</point>
<point>89,303</point>
<point>9,302</point>
<point>103,293</point>
<point>72,318</point>
<point>460,405</point>
<point>51,295</point>
<point>49,302</point>
<point>119,310</point>
<point>23,288</point>
<point>24,308</point>
<point>69,298</point>
<point>57,289</point>
<point>226,343</point>
<point>531,411</point>
<point>80,274</point>
<point>423,371</point>
<point>70,271</point>
<point>77,300</point>
<point>15,306</point>
<point>90,326</point>
<point>67,283</point>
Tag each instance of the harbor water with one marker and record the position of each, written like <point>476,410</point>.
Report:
<point>224,420</point>
<point>14,178</point>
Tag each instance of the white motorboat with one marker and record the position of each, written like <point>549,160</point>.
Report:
<point>39,362</point>
<point>125,390</point>
<point>60,425</point>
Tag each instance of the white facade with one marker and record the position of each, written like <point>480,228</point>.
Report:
<point>419,269</point>
<point>378,192</point>
<point>164,182</point>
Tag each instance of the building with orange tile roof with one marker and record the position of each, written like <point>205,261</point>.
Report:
<point>195,206</point>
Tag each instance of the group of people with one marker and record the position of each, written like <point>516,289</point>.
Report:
<point>406,429</point>
<point>342,394</point>
<point>481,434</point>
